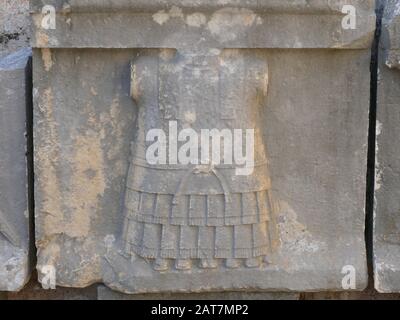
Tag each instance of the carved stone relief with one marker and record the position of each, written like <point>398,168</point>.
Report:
<point>129,190</point>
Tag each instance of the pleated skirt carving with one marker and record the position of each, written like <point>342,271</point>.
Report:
<point>197,226</point>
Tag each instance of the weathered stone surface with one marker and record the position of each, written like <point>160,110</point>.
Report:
<point>104,293</point>
<point>364,295</point>
<point>14,211</point>
<point>292,224</point>
<point>387,186</point>
<point>14,26</point>
<point>34,291</point>
<point>216,24</point>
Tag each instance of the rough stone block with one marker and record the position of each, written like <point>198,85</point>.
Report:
<point>111,72</point>
<point>387,184</point>
<point>14,209</point>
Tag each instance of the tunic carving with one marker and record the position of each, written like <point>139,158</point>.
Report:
<point>205,215</point>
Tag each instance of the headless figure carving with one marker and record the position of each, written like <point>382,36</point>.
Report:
<point>181,216</point>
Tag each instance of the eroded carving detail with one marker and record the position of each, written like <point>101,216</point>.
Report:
<point>202,216</point>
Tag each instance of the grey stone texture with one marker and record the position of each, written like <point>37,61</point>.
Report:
<point>387,185</point>
<point>14,26</point>
<point>34,291</point>
<point>103,79</point>
<point>15,217</point>
<point>104,293</point>
<point>369,294</point>
<point>219,24</point>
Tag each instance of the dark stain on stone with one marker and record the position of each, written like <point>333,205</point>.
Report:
<point>6,37</point>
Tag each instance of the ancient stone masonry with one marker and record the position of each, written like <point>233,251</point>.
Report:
<point>387,184</point>
<point>115,202</point>
<point>15,255</point>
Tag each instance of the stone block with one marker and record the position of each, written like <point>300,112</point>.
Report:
<point>14,208</point>
<point>387,179</point>
<point>290,75</point>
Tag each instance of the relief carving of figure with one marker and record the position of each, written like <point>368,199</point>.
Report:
<point>184,216</point>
